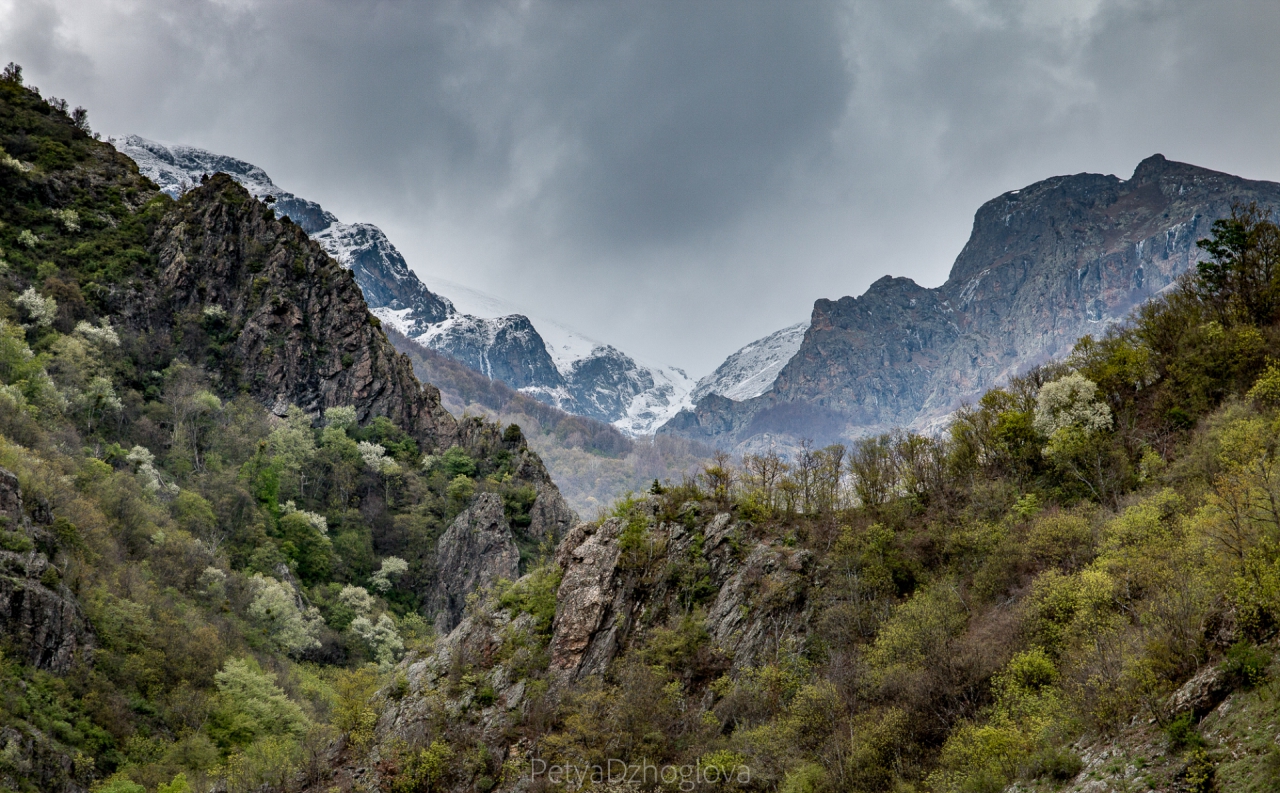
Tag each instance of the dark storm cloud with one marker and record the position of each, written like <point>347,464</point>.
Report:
<point>626,123</point>
<point>674,177</point>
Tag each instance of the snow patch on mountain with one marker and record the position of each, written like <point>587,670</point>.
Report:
<point>600,381</point>
<point>750,371</point>
<point>176,169</point>
<point>384,276</point>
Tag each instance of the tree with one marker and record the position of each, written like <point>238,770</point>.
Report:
<point>251,705</point>
<point>1241,279</point>
<point>275,609</point>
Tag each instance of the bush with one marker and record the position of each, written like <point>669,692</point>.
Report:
<point>1182,733</point>
<point>1246,664</point>
<point>1057,764</point>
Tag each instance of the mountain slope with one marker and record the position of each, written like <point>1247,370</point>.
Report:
<point>597,380</point>
<point>750,371</point>
<point>1043,266</point>
<point>213,465</point>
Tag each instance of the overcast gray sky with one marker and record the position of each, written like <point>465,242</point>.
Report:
<point>675,178</point>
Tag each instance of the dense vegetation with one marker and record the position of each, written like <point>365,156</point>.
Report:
<point>957,613</point>
<point>243,575</point>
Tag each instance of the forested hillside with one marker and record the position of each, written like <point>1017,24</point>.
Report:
<point>1077,586</point>
<point>226,485</point>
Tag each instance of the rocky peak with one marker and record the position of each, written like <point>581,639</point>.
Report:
<point>1043,266</point>
<point>229,268</point>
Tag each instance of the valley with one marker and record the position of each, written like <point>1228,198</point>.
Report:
<point>276,516</point>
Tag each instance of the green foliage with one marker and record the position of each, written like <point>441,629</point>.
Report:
<point>534,594</point>
<point>456,462</point>
<point>425,770</point>
<point>1182,733</point>
<point>251,705</point>
<point>1246,664</point>
<point>120,785</point>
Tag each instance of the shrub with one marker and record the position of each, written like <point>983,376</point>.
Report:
<point>1182,733</point>
<point>1246,664</point>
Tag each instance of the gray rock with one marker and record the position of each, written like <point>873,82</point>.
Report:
<point>584,634</point>
<point>475,551</point>
<point>1201,694</point>
<point>39,617</point>
<point>1044,265</point>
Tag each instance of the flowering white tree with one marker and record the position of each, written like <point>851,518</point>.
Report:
<point>392,566</point>
<point>42,310</point>
<point>275,609</point>
<point>1075,421</point>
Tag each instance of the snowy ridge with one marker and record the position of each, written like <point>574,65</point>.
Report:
<point>559,366</point>
<point>384,276</point>
<point>750,371</point>
<point>176,169</point>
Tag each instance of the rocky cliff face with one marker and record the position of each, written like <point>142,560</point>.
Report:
<point>39,617</point>
<point>475,551</point>
<point>1044,265</point>
<point>292,326</point>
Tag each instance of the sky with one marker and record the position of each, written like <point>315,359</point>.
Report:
<point>674,178</point>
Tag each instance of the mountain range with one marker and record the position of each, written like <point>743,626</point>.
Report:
<point>1043,266</point>
<point>589,378</point>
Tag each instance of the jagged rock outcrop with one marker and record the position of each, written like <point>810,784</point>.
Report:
<point>601,601</point>
<point>475,551</point>
<point>292,326</point>
<point>1043,266</point>
<point>40,620</point>
<point>585,632</point>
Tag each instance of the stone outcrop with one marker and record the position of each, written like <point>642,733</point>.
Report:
<point>1044,265</point>
<point>291,325</point>
<point>601,603</point>
<point>40,620</point>
<point>1201,694</point>
<point>584,635</point>
<point>475,551</point>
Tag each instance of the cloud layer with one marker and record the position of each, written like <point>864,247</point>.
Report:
<point>675,178</point>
